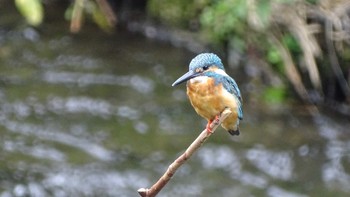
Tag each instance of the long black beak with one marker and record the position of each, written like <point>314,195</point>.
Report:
<point>189,75</point>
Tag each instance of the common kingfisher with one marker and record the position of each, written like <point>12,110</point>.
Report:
<point>211,90</point>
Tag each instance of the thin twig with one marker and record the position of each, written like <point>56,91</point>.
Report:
<point>158,186</point>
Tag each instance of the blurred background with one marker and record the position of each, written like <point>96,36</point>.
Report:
<point>87,107</point>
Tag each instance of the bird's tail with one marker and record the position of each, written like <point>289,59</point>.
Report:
<point>234,132</point>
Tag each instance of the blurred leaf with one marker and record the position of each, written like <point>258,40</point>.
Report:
<point>32,10</point>
<point>274,56</point>
<point>175,12</point>
<point>69,12</point>
<point>313,1</point>
<point>239,7</point>
<point>100,19</point>
<point>275,95</point>
<point>346,53</point>
<point>224,19</point>
<point>291,43</point>
<point>264,12</point>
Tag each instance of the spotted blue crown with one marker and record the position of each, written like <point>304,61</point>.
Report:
<point>206,59</point>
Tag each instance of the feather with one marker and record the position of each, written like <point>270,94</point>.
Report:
<point>231,86</point>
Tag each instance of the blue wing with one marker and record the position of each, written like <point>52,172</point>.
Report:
<point>231,86</point>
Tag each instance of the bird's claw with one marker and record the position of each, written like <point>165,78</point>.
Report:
<point>216,120</point>
<point>209,130</point>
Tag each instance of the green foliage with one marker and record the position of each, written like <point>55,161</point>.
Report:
<point>263,10</point>
<point>32,10</point>
<point>313,1</point>
<point>274,56</point>
<point>224,18</point>
<point>275,59</point>
<point>291,43</point>
<point>100,19</point>
<point>176,12</point>
<point>275,95</point>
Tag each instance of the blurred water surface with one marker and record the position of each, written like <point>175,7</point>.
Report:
<point>95,115</point>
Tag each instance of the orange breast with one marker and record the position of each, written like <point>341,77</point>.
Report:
<point>210,99</point>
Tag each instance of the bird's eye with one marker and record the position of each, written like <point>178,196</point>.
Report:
<point>205,67</point>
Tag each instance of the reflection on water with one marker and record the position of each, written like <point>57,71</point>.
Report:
<point>277,165</point>
<point>83,181</point>
<point>141,84</point>
<point>337,152</point>
<point>87,117</point>
<point>51,135</point>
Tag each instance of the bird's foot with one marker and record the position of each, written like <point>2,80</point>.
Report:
<point>216,119</point>
<point>209,130</point>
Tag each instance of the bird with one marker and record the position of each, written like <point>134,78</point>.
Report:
<point>210,90</point>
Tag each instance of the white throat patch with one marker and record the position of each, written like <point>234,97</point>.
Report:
<point>199,79</point>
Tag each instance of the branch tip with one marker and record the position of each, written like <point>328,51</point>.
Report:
<point>142,192</point>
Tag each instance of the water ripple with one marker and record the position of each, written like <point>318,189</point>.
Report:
<point>52,134</point>
<point>276,164</point>
<point>80,105</point>
<point>275,191</point>
<point>220,157</point>
<point>333,172</point>
<point>91,181</point>
<point>70,105</point>
<point>138,83</point>
<point>37,150</point>
<point>223,157</point>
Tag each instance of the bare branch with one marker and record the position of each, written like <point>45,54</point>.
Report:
<point>158,186</point>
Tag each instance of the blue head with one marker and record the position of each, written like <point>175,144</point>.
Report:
<point>199,65</point>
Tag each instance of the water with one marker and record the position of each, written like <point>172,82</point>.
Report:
<point>95,115</point>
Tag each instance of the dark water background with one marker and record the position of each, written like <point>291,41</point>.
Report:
<point>95,115</point>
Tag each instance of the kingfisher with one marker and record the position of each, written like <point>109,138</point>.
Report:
<point>211,90</point>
